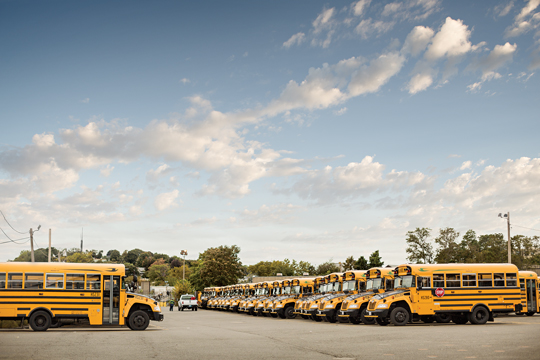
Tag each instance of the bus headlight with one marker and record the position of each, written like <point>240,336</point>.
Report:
<point>329,306</point>
<point>279,305</point>
<point>353,306</point>
<point>382,306</point>
<point>156,308</point>
<point>313,305</point>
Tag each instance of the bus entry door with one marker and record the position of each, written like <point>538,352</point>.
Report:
<point>111,299</point>
<point>531,295</point>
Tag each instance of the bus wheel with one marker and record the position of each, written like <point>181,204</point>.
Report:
<point>139,320</point>
<point>399,316</point>
<point>428,319</point>
<point>40,321</point>
<point>530,313</point>
<point>479,315</point>
<point>519,313</point>
<point>355,320</point>
<point>366,320</point>
<point>317,318</point>
<point>382,322</point>
<point>289,312</point>
<point>460,319</point>
<point>304,316</point>
<point>274,315</point>
<point>442,318</point>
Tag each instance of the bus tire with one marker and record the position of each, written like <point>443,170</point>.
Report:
<point>289,312</point>
<point>317,318</point>
<point>443,318</point>
<point>40,321</point>
<point>366,320</point>
<point>479,315</point>
<point>382,322</point>
<point>530,313</point>
<point>428,319</point>
<point>139,320</point>
<point>399,316</point>
<point>274,315</point>
<point>355,320</point>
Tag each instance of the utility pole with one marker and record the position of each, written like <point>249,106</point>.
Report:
<point>184,252</point>
<point>32,245</point>
<point>509,240</point>
<point>49,245</point>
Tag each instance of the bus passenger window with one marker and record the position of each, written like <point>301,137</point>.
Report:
<point>485,280</point>
<point>54,281</point>
<point>33,281</point>
<point>469,280</point>
<point>522,284</point>
<point>93,282</point>
<point>452,280</point>
<point>438,280</point>
<point>425,281</point>
<point>498,279</point>
<point>14,281</point>
<point>511,279</point>
<point>2,280</point>
<point>75,281</point>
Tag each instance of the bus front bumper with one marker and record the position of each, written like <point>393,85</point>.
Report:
<point>158,316</point>
<point>354,313</point>
<point>328,312</point>
<point>383,314</point>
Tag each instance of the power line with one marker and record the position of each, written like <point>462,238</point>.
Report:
<point>6,242</point>
<point>523,227</point>
<point>12,240</point>
<point>10,224</point>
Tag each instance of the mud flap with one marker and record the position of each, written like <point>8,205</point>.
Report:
<point>491,316</point>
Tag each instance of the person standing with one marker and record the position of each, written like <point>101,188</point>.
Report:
<point>171,305</point>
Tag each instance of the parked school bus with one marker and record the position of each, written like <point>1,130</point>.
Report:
<point>208,294</point>
<point>248,291</point>
<point>295,289</point>
<point>332,285</point>
<point>464,292</point>
<point>529,285</point>
<point>330,304</point>
<point>49,294</point>
<point>303,306</point>
<point>260,301</point>
<point>278,290</point>
<point>353,308</point>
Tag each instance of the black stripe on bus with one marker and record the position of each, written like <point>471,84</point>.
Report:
<point>21,315</point>
<point>69,309</point>
<point>456,305</point>
<point>480,294</point>
<point>52,290</point>
<point>23,309</point>
<point>48,303</point>
<point>71,315</point>
<point>474,288</point>
<point>52,297</point>
<point>501,304</point>
<point>514,298</point>
<point>482,299</point>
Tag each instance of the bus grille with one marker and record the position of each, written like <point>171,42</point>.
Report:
<point>371,305</point>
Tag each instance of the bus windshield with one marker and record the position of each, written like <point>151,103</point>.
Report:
<point>374,284</point>
<point>349,285</point>
<point>405,281</point>
<point>335,286</point>
<point>287,290</point>
<point>295,289</point>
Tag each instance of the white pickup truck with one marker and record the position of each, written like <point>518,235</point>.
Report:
<point>187,302</point>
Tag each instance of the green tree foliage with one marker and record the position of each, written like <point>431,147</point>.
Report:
<point>40,255</point>
<point>145,259</point>
<point>285,267</point>
<point>157,273</point>
<point>326,268</point>
<point>175,261</point>
<point>176,274</point>
<point>525,251</point>
<point>218,266</point>
<point>132,255</point>
<point>304,267</point>
<point>349,263</point>
<point>419,249</point>
<point>182,287</point>
<point>114,256</point>
<point>80,257</point>
<point>375,260</point>
<point>131,269</point>
<point>361,264</point>
<point>448,250</point>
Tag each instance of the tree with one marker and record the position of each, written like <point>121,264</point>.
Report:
<point>349,263</point>
<point>493,248</point>
<point>327,268</point>
<point>80,257</point>
<point>131,269</point>
<point>525,251</point>
<point>375,260</point>
<point>175,262</point>
<point>182,287</point>
<point>40,255</point>
<point>448,251</point>
<point>145,259</point>
<point>218,266</point>
<point>361,264</point>
<point>132,255</point>
<point>304,267</point>
<point>114,256</point>
<point>419,250</point>
<point>469,248</point>
<point>157,273</point>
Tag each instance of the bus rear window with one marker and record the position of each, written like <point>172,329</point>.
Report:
<point>498,279</point>
<point>93,282</point>
<point>54,281</point>
<point>2,280</point>
<point>75,281</point>
<point>485,280</point>
<point>33,281</point>
<point>14,281</point>
<point>511,279</point>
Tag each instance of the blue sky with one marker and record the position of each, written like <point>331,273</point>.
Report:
<point>306,130</point>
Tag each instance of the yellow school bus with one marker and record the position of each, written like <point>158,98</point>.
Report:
<point>250,295</point>
<point>464,292</point>
<point>330,304</point>
<point>353,308</point>
<point>279,288</point>
<point>331,284</point>
<point>528,283</point>
<point>50,294</point>
<point>207,294</point>
<point>303,305</point>
<point>219,292</point>
<point>243,292</point>
<point>268,289</point>
<point>292,291</point>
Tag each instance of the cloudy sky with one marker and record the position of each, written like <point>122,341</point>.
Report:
<point>306,130</point>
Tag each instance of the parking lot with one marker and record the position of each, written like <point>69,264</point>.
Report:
<point>208,334</point>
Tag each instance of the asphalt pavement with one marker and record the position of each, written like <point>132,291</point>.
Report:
<point>206,334</point>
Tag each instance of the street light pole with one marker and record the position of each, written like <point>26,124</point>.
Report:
<point>184,252</point>
<point>507,217</point>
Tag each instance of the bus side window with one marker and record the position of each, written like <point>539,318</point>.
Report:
<point>75,281</point>
<point>438,280</point>
<point>485,280</point>
<point>2,280</point>
<point>14,281</point>
<point>498,279</point>
<point>522,284</point>
<point>469,280</point>
<point>54,281</point>
<point>453,280</point>
<point>93,282</point>
<point>425,281</point>
<point>389,285</point>
<point>33,281</point>
<point>511,279</point>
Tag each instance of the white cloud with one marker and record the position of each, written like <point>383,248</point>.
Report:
<point>341,111</point>
<point>154,175</point>
<point>466,165</point>
<point>451,40</point>
<point>417,40</point>
<point>359,7</point>
<point>323,21</point>
<point>185,81</point>
<point>106,172</point>
<point>85,101</point>
<point>498,57</point>
<point>503,9</point>
<point>296,39</point>
<point>368,27</point>
<point>392,8</point>
<point>166,200</point>
<point>420,81</point>
<point>525,21</point>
